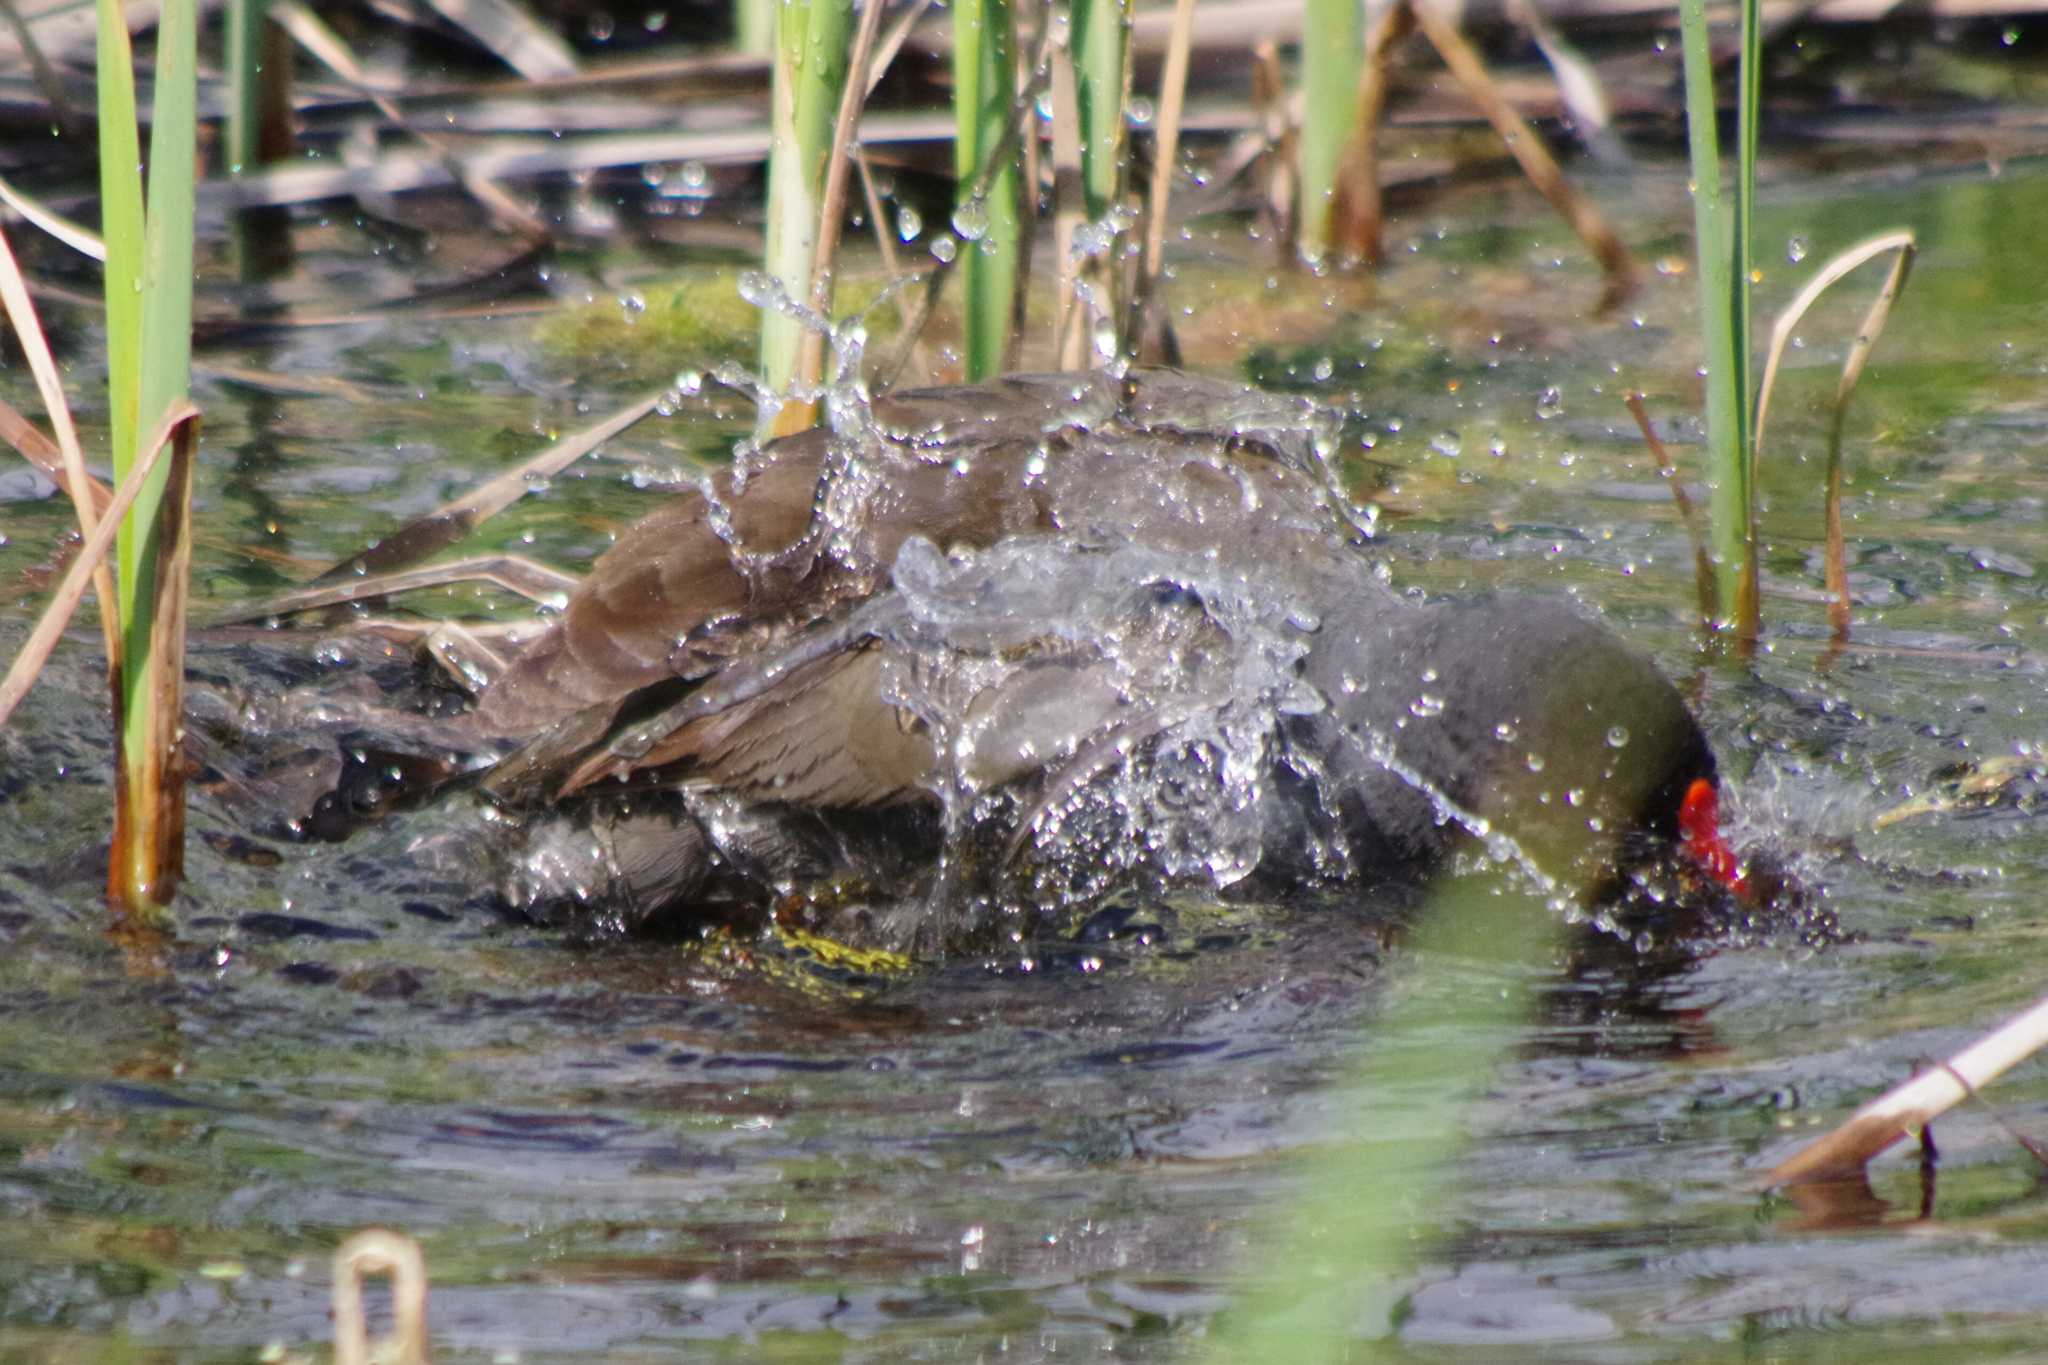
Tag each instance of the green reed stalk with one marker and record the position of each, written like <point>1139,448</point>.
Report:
<point>1401,1120</point>
<point>1332,59</point>
<point>1749,112</point>
<point>813,38</point>
<point>243,43</point>
<point>1723,231</point>
<point>1102,86</point>
<point>753,26</point>
<point>149,338</point>
<point>984,88</point>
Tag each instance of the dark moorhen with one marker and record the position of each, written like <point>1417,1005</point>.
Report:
<point>1003,645</point>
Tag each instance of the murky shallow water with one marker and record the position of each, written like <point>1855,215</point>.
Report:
<point>619,1148</point>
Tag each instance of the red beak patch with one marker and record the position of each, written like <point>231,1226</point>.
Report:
<point>1699,834</point>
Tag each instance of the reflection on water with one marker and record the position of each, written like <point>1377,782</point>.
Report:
<point>619,1147</point>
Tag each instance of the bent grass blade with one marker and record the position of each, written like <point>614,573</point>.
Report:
<point>1901,242</point>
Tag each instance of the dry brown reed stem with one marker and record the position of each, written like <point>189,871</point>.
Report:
<point>1912,1106</point>
<point>90,563</point>
<point>892,43</point>
<point>1528,150</point>
<point>1702,563</point>
<point>810,353</point>
<point>1578,84</point>
<point>86,494</point>
<point>1070,320</point>
<point>513,36</point>
<point>376,1251</point>
<point>1359,224</point>
<point>892,264</point>
<point>326,46</point>
<point>453,520</point>
<point>515,574</point>
<point>80,239</point>
<point>46,78</point>
<point>1276,129</point>
<point>40,451</point>
<point>1145,319</point>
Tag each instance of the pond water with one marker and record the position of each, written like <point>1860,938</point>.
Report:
<point>623,1148</point>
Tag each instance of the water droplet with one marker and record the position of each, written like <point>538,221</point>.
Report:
<point>1426,706</point>
<point>1535,763</point>
<point>1795,249</point>
<point>909,223</point>
<point>1447,444</point>
<point>1104,337</point>
<point>1617,737</point>
<point>970,220</point>
<point>1504,732</point>
<point>1550,403</point>
<point>689,383</point>
<point>945,248</point>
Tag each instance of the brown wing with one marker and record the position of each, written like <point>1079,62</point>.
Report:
<point>674,602</point>
<point>671,600</point>
<point>668,578</point>
<point>822,736</point>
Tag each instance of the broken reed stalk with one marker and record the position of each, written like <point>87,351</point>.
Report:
<point>375,1251</point>
<point>149,270</point>
<point>811,51</point>
<point>1910,1107</point>
<point>1902,243</point>
<point>1330,68</point>
<point>990,224</point>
